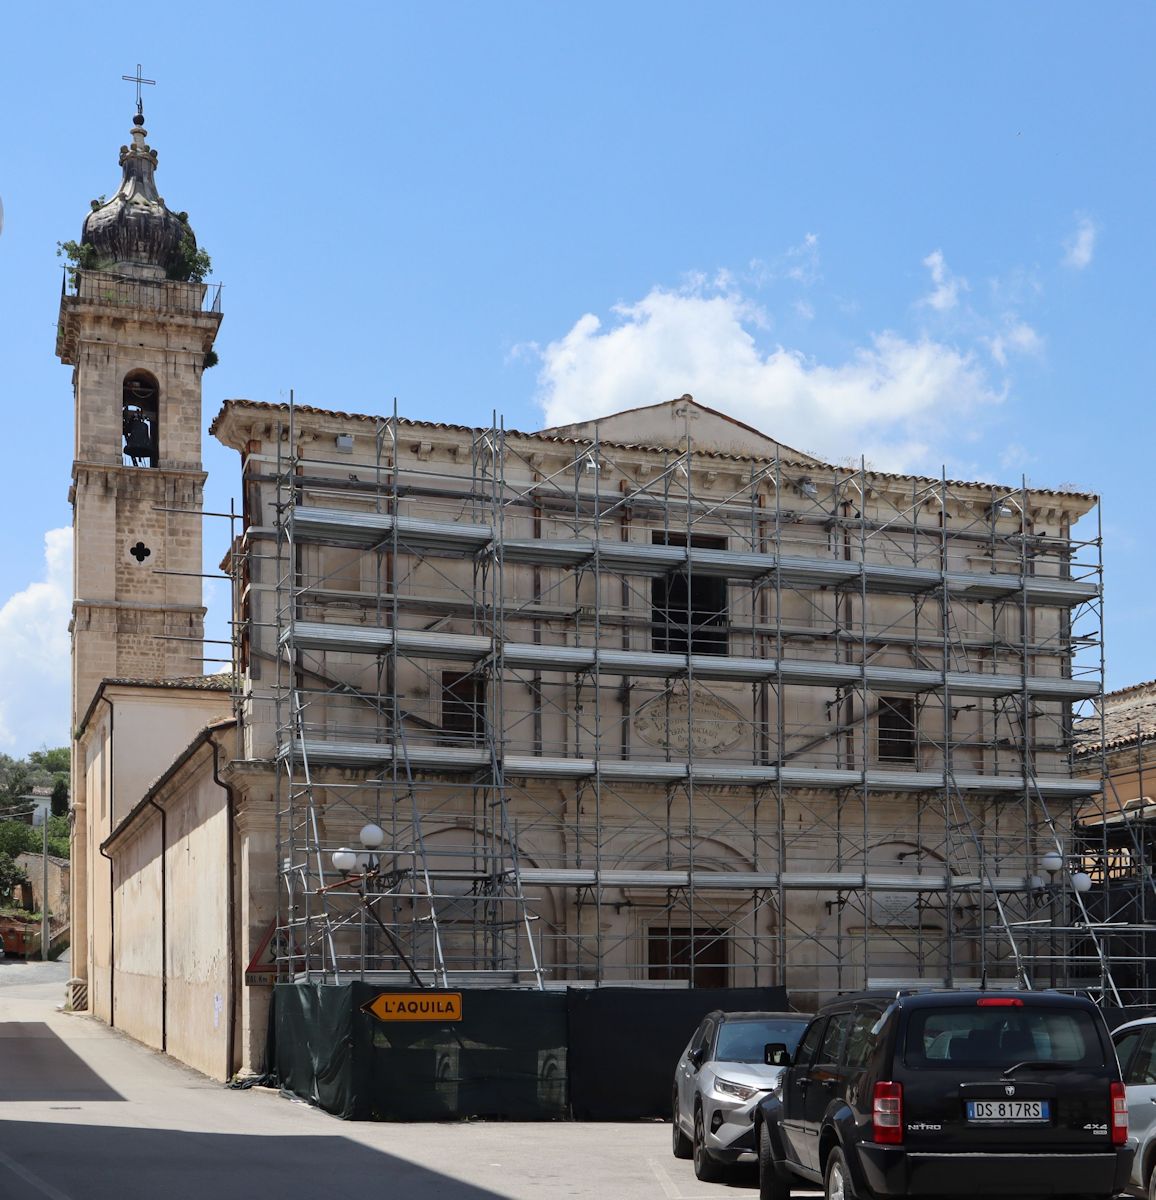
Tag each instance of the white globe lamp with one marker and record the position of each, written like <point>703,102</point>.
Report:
<point>344,860</point>
<point>372,836</point>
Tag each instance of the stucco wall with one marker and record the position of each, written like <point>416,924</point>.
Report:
<point>171,981</point>
<point>198,904</point>
<point>138,978</point>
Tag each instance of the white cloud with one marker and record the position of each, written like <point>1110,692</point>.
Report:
<point>1018,337</point>
<point>803,260</point>
<point>946,286</point>
<point>35,654</point>
<point>1080,247</point>
<point>891,398</point>
<point>798,263</point>
<point>1014,457</point>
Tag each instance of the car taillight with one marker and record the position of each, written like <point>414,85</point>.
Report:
<point>887,1113</point>
<point>1119,1113</point>
<point>1000,1002</point>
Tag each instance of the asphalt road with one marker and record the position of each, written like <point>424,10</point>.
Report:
<point>87,1114</point>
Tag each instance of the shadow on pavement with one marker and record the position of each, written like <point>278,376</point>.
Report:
<point>90,1162</point>
<point>36,1065</point>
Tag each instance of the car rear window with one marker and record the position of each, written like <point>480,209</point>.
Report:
<point>1001,1036</point>
<point>745,1041</point>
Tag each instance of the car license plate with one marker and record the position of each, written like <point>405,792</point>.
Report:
<point>1008,1110</point>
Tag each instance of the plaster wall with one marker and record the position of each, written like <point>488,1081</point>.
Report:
<point>152,726</point>
<point>172,963</point>
<point>127,744</point>
<point>139,979</point>
<point>197,910</point>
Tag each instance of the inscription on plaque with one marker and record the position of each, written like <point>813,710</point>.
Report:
<point>895,908</point>
<point>702,725</point>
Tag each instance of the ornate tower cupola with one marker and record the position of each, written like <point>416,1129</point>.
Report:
<point>135,233</point>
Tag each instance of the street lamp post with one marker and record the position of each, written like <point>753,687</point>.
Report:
<point>1055,863</point>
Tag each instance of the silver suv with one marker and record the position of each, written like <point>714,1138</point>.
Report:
<point>1135,1045</point>
<point>722,1075</point>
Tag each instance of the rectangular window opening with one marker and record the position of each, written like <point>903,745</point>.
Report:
<point>896,722</point>
<point>670,952</point>
<point>463,704</point>
<point>689,610</point>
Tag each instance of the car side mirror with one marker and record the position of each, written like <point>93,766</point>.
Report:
<point>695,1057</point>
<point>776,1054</point>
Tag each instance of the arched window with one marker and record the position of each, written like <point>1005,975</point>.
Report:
<point>140,412</point>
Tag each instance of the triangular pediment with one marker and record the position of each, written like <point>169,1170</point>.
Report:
<point>667,424</point>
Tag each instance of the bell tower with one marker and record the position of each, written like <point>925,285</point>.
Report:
<point>137,331</point>
<point>137,326</point>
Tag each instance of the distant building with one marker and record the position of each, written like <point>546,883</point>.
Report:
<point>1116,833</point>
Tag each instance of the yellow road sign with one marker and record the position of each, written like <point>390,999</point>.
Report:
<point>415,1006</point>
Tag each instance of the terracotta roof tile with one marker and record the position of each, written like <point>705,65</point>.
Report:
<point>1129,720</point>
<point>223,682</point>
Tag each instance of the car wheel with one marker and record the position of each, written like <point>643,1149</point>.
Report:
<point>705,1167</point>
<point>773,1184</point>
<point>680,1143</point>
<point>837,1180</point>
<point>1152,1186</point>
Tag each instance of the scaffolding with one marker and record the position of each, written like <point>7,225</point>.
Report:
<point>622,714</point>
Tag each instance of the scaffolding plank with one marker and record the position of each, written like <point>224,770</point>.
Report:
<point>705,881</point>
<point>374,529</point>
<point>657,665</point>
<point>455,759</point>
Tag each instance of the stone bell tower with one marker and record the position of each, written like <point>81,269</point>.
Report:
<point>137,326</point>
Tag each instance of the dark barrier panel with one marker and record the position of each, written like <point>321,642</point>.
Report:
<point>505,1057</point>
<point>314,1045</point>
<point>624,1043</point>
<point>594,1054</point>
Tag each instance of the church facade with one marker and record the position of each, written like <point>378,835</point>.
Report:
<point>650,700</point>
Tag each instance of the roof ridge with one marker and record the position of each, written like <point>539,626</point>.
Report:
<point>810,464</point>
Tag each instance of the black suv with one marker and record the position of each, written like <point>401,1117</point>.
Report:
<point>948,1094</point>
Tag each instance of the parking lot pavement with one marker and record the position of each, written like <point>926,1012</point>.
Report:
<point>87,1114</point>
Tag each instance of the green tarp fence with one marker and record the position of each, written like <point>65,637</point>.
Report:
<point>594,1054</point>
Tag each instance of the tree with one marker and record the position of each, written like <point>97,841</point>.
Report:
<point>10,876</point>
<point>47,768</point>
<point>59,836</point>
<point>55,762</point>
<point>15,780</point>
<point>60,798</point>
<point>16,837</point>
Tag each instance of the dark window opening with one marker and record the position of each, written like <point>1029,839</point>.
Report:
<point>670,953</point>
<point>463,704</point>
<point>896,730</point>
<point>140,417</point>
<point>689,609</point>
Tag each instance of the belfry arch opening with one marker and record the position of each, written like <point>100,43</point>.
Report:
<point>140,413</point>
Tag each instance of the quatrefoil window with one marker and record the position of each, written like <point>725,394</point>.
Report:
<point>140,552</point>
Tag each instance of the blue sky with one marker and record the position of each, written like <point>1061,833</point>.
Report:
<point>920,232</point>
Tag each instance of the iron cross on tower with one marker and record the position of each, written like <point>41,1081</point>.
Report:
<point>138,80</point>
